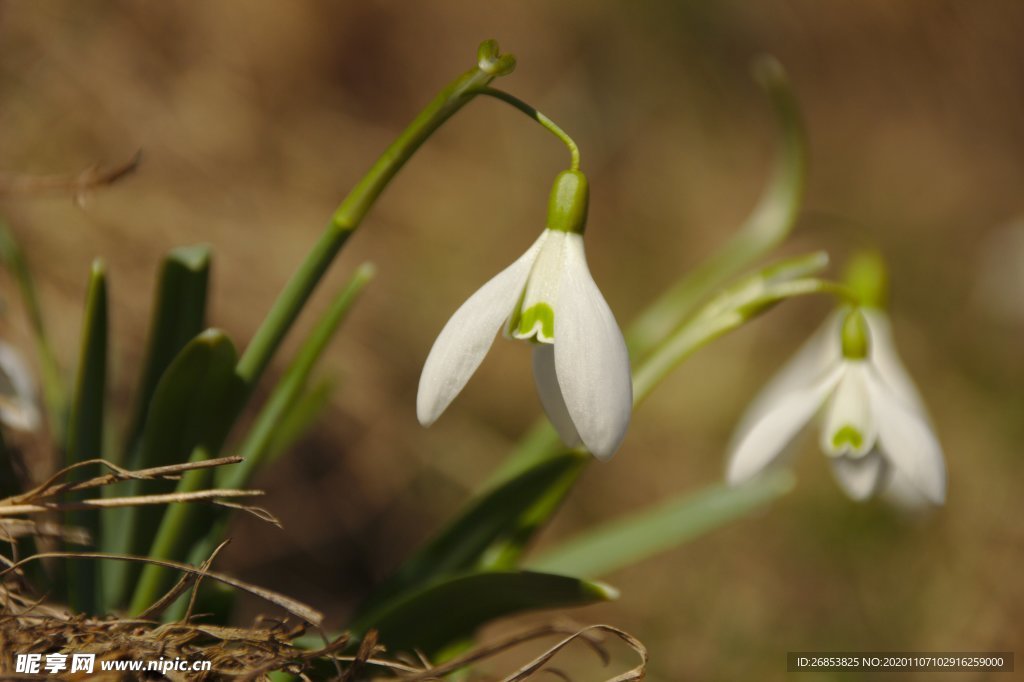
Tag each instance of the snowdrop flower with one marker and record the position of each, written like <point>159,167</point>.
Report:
<point>875,430</point>
<point>549,298</point>
<point>17,392</point>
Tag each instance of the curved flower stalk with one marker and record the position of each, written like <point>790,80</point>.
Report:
<point>875,430</point>
<point>548,297</point>
<point>18,408</point>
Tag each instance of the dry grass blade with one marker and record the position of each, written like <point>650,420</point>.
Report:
<point>91,178</point>
<point>50,488</point>
<point>537,665</point>
<point>486,651</point>
<point>259,512</point>
<point>11,529</point>
<point>135,501</point>
<point>368,648</point>
<point>204,568</point>
<point>292,606</point>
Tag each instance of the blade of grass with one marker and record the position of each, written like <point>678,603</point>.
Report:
<point>451,609</point>
<point>85,426</point>
<point>179,314</point>
<point>639,536</point>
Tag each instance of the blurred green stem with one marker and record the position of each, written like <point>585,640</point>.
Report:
<point>765,228</point>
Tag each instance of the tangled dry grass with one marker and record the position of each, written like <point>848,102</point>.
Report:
<point>29,624</point>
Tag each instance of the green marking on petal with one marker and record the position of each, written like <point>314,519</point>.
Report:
<point>537,321</point>
<point>848,435</point>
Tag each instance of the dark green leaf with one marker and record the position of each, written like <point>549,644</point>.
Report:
<point>189,397</point>
<point>491,532</point>
<point>85,426</point>
<point>179,314</point>
<point>451,609</point>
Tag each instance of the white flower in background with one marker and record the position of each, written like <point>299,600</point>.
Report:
<point>17,392</point>
<point>548,297</point>
<point>875,431</point>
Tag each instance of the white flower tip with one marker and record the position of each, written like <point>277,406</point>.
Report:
<point>607,444</point>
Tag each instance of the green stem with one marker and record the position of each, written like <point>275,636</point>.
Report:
<point>358,203</point>
<point>547,123</point>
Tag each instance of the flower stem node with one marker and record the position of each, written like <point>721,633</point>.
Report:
<point>547,297</point>
<point>491,62</point>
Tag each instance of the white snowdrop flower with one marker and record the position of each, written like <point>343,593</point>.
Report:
<point>18,408</point>
<point>549,298</point>
<point>875,430</point>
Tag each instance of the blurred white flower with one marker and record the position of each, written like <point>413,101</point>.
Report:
<point>18,408</point>
<point>548,297</point>
<point>875,429</point>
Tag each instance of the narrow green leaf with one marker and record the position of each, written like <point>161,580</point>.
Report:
<point>299,418</point>
<point>85,426</point>
<point>292,385</point>
<point>729,310</point>
<point>287,414</point>
<point>53,385</point>
<point>453,608</point>
<point>632,539</point>
<point>771,220</point>
<point>188,398</point>
<point>179,314</point>
<point>491,532</point>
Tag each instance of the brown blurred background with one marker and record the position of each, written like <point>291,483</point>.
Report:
<point>255,118</point>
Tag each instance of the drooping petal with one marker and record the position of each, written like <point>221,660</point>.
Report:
<point>18,408</point>
<point>468,335</point>
<point>849,427</point>
<point>591,360</point>
<point>906,439</point>
<point>860,477</point>
<point>551,394</point>
<point>819,353</point>
<point>764,440</point>
<point>886,360</point>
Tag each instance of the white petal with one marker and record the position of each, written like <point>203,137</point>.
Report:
<point>849,408</point>
<point>465,340</point>
<point>819,353</point>
<point>898,490</point>
<point>551,395</point>
<point>17,391</point>
<point>886,360</point>
<point>763,441</point>
<point>907,441</point>
<point>591,359</point>
<point>860,477</point>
